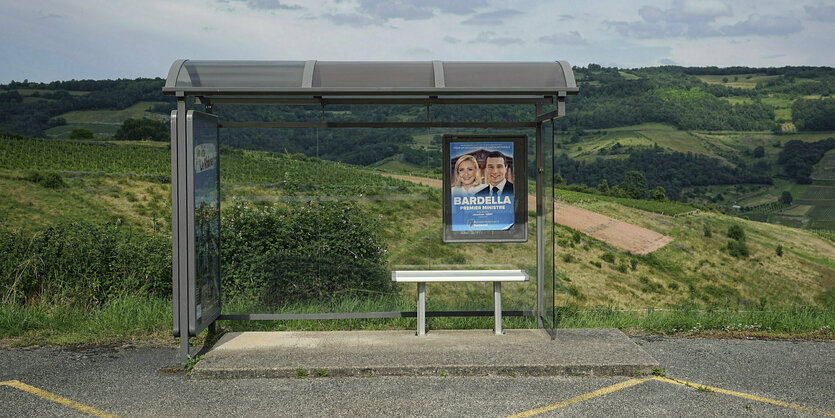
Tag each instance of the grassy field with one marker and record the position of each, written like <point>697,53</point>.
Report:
<point>136,111</point>
<point>99,131</point>
<point>645,135</point>
<point>742,81</point>
<point>825,169</point>
<point>822,200</point>
<point>782,105</point>
<point>694,276</point>
<point>670,208</point>
<point>628,76</point>
<point>103,123</point>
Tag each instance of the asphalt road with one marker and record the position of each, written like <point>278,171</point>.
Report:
<point>725,378</point>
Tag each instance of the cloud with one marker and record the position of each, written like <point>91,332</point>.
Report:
<point>450,40</point>
<point>489,37</point>
<point>667,61</point>
<point>384,10</point>
<point>698,20</point>
<point>570,38</point>
<point>685,18</point>
<point>351,19</point>
<point>565,18</point>
<point>266,5</point>
<point>395,9</point>
<point>45,15</point>
<point>821,13</point>
<point>419,52</point>
<point>765,26</point>
<point>494,18</point>
<point>458,7</point>
<point>378,12</point>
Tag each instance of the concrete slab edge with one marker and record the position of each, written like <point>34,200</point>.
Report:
<point>590,370</point>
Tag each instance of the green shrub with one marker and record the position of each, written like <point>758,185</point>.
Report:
<point>83,263</point>
<point>301,251</point>
<point>735,232</point>
<point>738,249</point>
<point>49,179</point>
<point>608,257</point>
<point>81,133</point>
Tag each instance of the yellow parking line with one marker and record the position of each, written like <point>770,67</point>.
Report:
<point>581,398</point>
<point>745,395</point>
<point>55,398</point>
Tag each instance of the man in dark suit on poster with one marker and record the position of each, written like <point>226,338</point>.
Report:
<point>496,172</point>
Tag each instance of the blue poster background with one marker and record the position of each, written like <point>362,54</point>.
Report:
<point>480,212</point>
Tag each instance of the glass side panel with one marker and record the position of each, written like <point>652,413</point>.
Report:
<point>205,285</point>
<point>241,74</point>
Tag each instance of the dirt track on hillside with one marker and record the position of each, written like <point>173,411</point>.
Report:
<point>627,237</point>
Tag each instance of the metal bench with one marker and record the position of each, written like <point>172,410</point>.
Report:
<point>421,277</point>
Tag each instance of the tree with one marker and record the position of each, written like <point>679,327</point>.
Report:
<point>659,194</point>
<point>635,184</point>
<point>759,152</point>
<point>786,197</point>
<point>603,187</point>
<point>81,133</point>
<point>779,251</point>
<point>142,130</point>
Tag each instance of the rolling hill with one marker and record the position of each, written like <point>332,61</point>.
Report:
<point>129,184</point>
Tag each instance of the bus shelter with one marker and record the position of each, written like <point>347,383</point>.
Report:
<point>195,156</point>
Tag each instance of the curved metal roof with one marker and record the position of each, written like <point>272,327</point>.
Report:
<point>314,79</point>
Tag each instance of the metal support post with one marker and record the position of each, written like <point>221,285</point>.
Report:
<point>179,225</point>
<point>421,309</point>
<point>497,307</point>
<point>540,227</point>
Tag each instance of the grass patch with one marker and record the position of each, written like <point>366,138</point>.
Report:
<point>139,319</point>
<point>127,319</point>
<point>671,208</point>
<point>798,322</point>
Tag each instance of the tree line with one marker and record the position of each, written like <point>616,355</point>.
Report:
<point>673,171</point>
<point>34,117</point>
<point>798,158</point>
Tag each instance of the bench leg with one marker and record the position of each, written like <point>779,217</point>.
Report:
<point>421,309</point>
<point>497,306</point>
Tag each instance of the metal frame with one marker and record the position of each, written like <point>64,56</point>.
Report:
<point>440,93</point>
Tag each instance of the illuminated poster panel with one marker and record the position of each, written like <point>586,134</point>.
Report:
<point>204,277</point>
<point>485,188</point>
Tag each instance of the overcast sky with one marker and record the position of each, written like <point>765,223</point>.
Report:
<point>45,40</point>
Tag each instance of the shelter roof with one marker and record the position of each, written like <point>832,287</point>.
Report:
<point>369,81</point>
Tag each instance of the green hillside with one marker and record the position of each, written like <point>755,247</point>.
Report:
<point>129,185</point>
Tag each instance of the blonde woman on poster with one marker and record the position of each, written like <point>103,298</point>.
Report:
<point>467,177</point>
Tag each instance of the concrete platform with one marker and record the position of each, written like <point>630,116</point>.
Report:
<point>595,352</point>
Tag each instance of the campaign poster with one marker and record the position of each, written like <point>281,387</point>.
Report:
<point>485,188</point>
<point>482,191</point>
